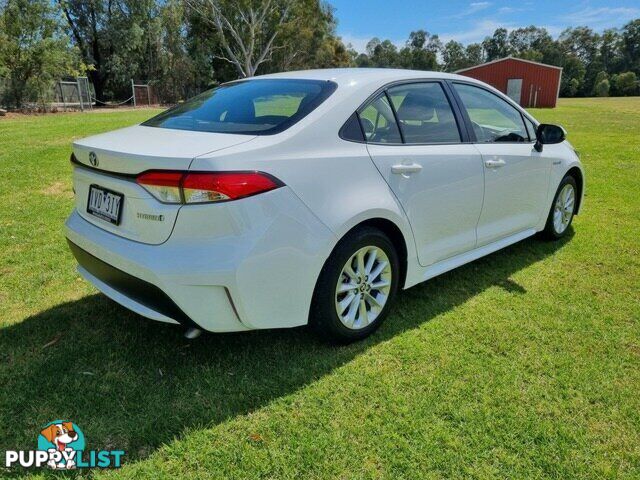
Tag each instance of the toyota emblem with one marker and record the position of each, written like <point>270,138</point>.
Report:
<point>93,159</point>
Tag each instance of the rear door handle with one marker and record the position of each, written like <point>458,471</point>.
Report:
<point>404,169</point>
<point>494,163</point>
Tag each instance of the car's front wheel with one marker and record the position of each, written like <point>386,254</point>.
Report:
<point>356,286</point>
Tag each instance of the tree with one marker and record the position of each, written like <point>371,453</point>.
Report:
<point>119,40</point>
<point>85,21</point>
<point>630,46</point>
<point>602,85</point>
<point>383,53</point>
<point>203,46</point>
<point>626,83</point>
<point>331,53</point>
<point>246,29</point>
<point>135,32</point>
<point>33,50</point>
<point>534,43</point>
<point>609,51</point>
<point>4,45</point>
<point>475,54</point>
<point>496,46</point>
<point>582,43</point>
<point>454,56</point>
<point>362,60</point>
<point>598,86</point>
<point>602,88</point>
<point>571,87</point>
<point>423,40</point>
<point>309,39</point>
<point>176,68</point>
<point>572,77</point>
<point>420,51</point>
<point>529,42</point>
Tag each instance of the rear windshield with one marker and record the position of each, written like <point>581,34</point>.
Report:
<point>251,107</point>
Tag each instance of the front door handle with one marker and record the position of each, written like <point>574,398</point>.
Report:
<point>494,163</point>
<point>406,168</point>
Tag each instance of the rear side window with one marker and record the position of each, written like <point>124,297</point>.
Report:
<point>424,113</point>
<point>252,107</point>
<point>493,119</point>
<point>351,130</point>
<point>378,122</point>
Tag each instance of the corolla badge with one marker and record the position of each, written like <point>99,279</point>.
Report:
<point>93,159</point>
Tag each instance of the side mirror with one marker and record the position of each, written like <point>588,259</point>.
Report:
<point>549,134</point>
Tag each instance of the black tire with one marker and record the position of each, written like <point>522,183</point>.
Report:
<point>550,232</point>
<point>323,315</point>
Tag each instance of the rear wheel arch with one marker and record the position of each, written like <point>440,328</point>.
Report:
<point>394,233</point>
<point>391,230</point>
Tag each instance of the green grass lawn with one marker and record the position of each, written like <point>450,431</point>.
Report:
<point>523,365</point>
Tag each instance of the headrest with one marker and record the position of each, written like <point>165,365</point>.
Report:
<point>304,103</point>
<point>242,112</point>
<point>417,106</point>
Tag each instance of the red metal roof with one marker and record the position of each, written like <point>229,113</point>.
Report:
<point>508,58</point>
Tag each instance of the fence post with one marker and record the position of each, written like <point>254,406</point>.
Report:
<point>133,91</point>
<point>79,95</point>
<point>64,102</point>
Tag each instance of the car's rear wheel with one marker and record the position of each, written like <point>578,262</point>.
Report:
<point>562,209</point>
<point>356,286</point>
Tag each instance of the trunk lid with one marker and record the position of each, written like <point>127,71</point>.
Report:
<point>110,162</point>
<point>135,149</point>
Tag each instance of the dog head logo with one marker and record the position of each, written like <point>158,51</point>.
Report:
<point>60,434</point>
<point>64,437</point>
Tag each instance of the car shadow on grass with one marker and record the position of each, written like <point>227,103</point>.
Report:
<point>132,384</point>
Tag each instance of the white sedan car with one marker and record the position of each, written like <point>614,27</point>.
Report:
<point>312,197</point>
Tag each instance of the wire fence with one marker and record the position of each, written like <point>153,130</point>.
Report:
<point>40,97</point>
<point>74,94</point>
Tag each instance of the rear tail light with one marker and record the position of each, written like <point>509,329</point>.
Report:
<point>205,187</point>
<point>165,186</point>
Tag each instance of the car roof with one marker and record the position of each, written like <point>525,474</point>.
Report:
<point>344,76</point>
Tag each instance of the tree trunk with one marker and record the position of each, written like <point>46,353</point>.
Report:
<point>95,76</point>
<point>18,93</point>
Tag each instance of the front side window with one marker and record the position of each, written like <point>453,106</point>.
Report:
<point>424,113</point>
<point>493,119</point>
<point>378,122</point>
<point>252,107</point>
<point>531,129</point>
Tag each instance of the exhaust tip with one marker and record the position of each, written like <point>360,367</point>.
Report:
<point>192,333</point>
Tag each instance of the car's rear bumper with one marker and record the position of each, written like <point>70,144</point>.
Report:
<point>142,297</point>
<point>244,266</point>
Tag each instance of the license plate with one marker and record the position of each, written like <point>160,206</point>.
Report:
<point>105,204</point>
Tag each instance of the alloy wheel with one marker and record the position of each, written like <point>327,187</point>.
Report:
<point>563,208</point>
<point>363,287</point>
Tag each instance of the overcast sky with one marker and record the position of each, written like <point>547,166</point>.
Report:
<point>471,21</point>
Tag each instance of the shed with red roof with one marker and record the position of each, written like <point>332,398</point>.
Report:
<point>529,83</point>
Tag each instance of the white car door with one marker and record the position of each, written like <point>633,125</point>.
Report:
<point>437,178</point>
<point>516,175</point>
